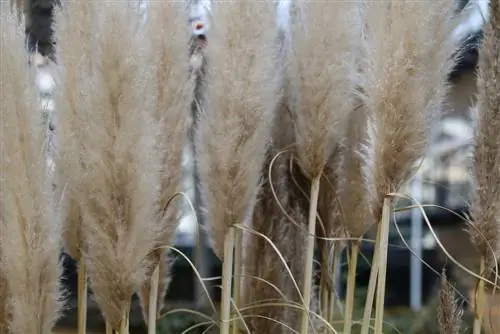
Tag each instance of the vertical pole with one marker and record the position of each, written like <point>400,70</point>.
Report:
<point>416,246</point>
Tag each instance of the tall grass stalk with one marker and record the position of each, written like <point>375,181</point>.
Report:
<point>166,37</point>
<point>479,298</point>
<point>237,273</point>
<point>370,295</point>
<point>330,226</point>
<point>355,213</point>
<point>124,324</point>
<point>82,298</point>
<point>153,300</point>
<point>240,97</point>
<point>68,163</point>
<point>351,286</point>
<point>383,237</point>
<point>407,48</point>
<point>308,269</point>
<point>117,189</point>
<point>227,278</point>
<point>484,208</point>
<point>322,78</point>
<point>333,291</point>
<point>109,329</point>
<point>325,285</point>
<point>281,215</point>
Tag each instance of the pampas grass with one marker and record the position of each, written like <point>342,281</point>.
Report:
<point>485,232</point>
<point>356,111</point>
<point>77,65</point>
<point>355,212</point>
<point>117,187</point>
<point>168,36</point>
<point>279,214</point>
<point>322,78</point>
<point>407,48</point>
<point>239,77</point>
<point>29,231</point>
<point>235,122</point>
<point>449,313</point>
<point>328,215</point>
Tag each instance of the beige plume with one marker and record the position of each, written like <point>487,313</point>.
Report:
<point>116,144</point>
<point>484,209</point>
<point>449,313</point>
<point>235,122</point>
<point>407,48</point>
<point>29,231</point>
<point>172,86</point>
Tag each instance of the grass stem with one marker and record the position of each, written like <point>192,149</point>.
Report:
<point>383,244</point>
<point>479,299</point>
<point>227,275</point>
<point>124,325</point>
<point>351,287</point>
<point>109,329</point>
<point>333,290</point>
<point>82,297</point>
<point>324,287</point>
<point>308,268</point>
<point>370,295</point>
<point>153,300</point>
<point>237,288</point>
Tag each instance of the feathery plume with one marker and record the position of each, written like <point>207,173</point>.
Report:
<point>330,226</point>
<point>449,313</point>
<point>168,36</point>
<point>485,233</point>
<point>271,218</point>
<point>356,215</point>
<point>29,232</point>
<point>241,93</point>
<point>118,187</point>
<point>407,54</point>
<point>407,48</point>
<point>75,61</point>
<point>344,205</point>
<point>322,70</point>
<point>235,123</point>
